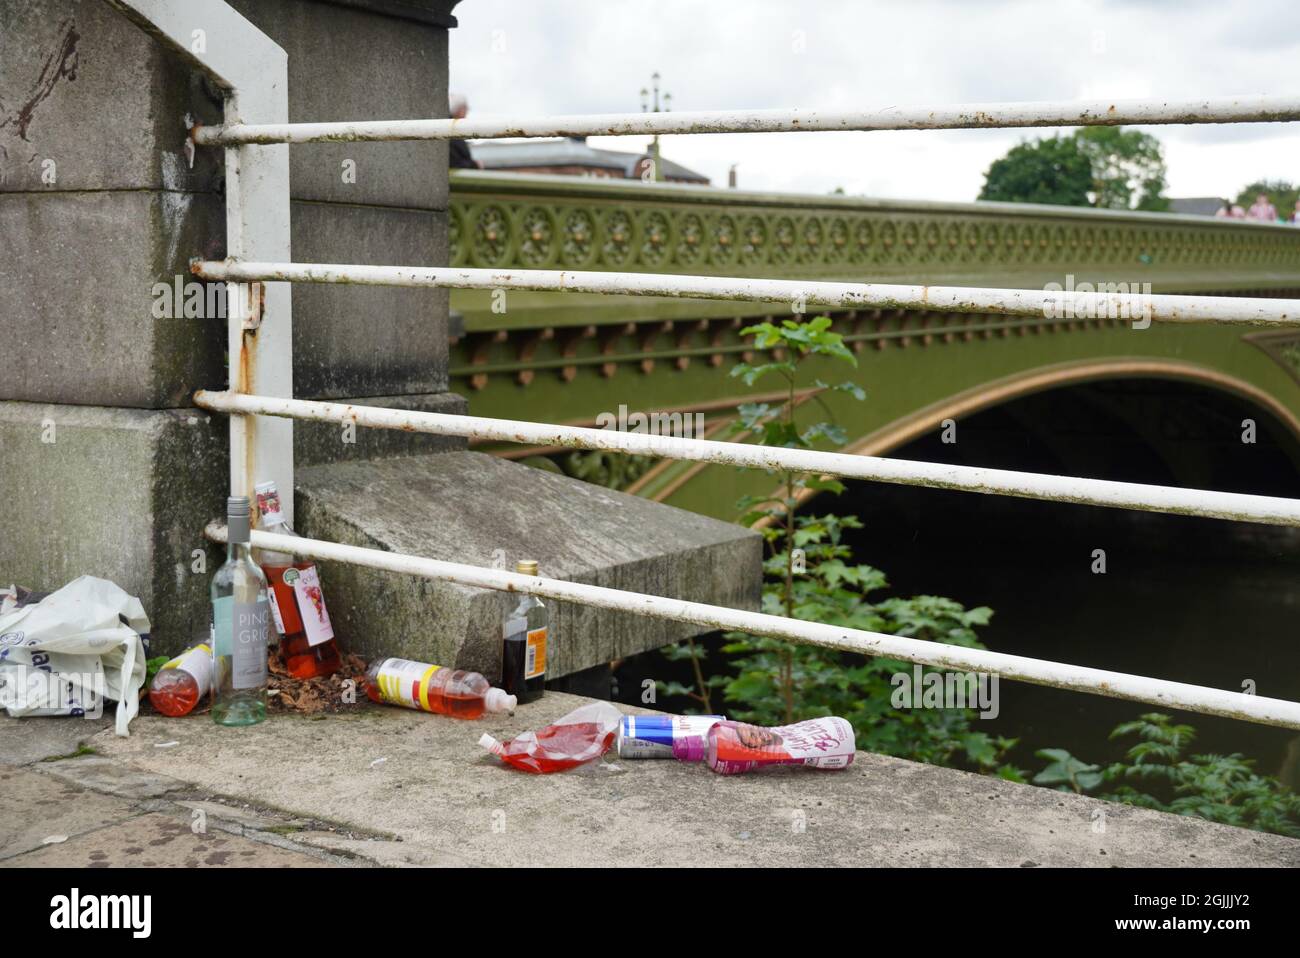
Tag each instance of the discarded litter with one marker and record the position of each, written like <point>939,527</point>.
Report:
<point>15,597</point>
<point>734,747</point>
<point>432,688</point>
<point>240,623</point>
<point>67,653</point>
<point>584,734</point>
<point>297,603</point>
<point>682,737</point>
<point>183,682</point>
<point>523,645</point>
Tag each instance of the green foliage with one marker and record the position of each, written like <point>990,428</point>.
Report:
<point>614,470</point>
<point>1128,168</point>
<point>1281,193</point>
<point>1103,166</point>
<point>151,667</point>
<point>777,682</point>
<point>809,574</point>
<point>1048,170</point>
<point>1156,774</point>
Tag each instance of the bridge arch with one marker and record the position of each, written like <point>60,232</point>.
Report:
<point>888,438</point>
<point>927,420</point>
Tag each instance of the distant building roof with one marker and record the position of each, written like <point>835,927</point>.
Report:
<point>571,152</point>
<point>1196,205</point>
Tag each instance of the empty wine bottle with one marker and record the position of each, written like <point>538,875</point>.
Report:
<point>297,603</point>
<point>240,621</point>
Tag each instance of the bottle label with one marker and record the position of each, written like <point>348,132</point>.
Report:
<point>535,656</point>
<point>198,663</point>
<point>241,633</point>
<point>268,506</point>
<point>275,605</point>
<point>819,743</point>
<point>298,604</point>
<point>311,604</point>
<point>406,683</point>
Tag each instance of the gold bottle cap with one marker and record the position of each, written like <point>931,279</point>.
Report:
<point>526,566</point>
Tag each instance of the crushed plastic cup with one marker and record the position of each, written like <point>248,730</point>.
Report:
<point>584,734</point>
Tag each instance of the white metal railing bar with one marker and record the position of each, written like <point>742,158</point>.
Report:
<point>1026,485</point>
<point>1069,304</point>
<point>1192,698</point>
<point>961,116</point>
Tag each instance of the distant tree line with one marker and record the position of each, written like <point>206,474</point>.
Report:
<point>1102,166</point>
<point>1106,167</point>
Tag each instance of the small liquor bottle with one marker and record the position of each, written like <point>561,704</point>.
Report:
<point>240,619</point>
<point>297,603</point>
<point>523,648</point>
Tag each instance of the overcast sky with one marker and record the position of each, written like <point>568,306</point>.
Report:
<point>581,56</point>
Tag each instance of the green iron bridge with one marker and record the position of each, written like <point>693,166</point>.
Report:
<point>576,358</point>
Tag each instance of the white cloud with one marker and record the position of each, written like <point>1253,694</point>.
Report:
<point>581,56</point>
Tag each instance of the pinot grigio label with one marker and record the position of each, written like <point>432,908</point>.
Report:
<point>240,633</point>
<point>248,661</point>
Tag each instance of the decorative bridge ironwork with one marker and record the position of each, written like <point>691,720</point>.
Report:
<point>550,356</point>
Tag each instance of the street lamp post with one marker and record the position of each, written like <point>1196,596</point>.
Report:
<point>650,103</point>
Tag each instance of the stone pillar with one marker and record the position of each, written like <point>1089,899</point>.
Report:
<point>106,468</point>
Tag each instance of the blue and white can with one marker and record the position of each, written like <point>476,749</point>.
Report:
<point>665,736</point>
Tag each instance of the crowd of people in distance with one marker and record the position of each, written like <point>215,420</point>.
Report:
<point>1261,211</point>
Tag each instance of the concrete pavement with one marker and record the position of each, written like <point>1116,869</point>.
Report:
<point>387,786</point>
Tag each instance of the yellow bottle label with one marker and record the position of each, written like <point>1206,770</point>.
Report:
<point>535,657</point>
<point>198,663</point>
<point>406,683</point>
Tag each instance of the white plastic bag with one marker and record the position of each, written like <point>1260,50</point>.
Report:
<point>64,655</point>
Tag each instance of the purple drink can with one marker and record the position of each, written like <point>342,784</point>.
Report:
<point>682,737</point>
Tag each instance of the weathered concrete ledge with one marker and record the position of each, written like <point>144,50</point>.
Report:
<point>116,493</point>
<point>319,442</point>
<point>477,509</point>
<point>407,788</point>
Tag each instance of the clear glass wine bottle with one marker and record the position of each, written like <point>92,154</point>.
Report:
<point>240,620</point>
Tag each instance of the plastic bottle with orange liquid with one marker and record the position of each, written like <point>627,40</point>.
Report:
<point>297,603</point>
<point>180,684</point>
<point>432,688</point>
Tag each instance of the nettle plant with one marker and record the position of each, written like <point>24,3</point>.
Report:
<point>1156,773</point>
<point>809,574</point>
